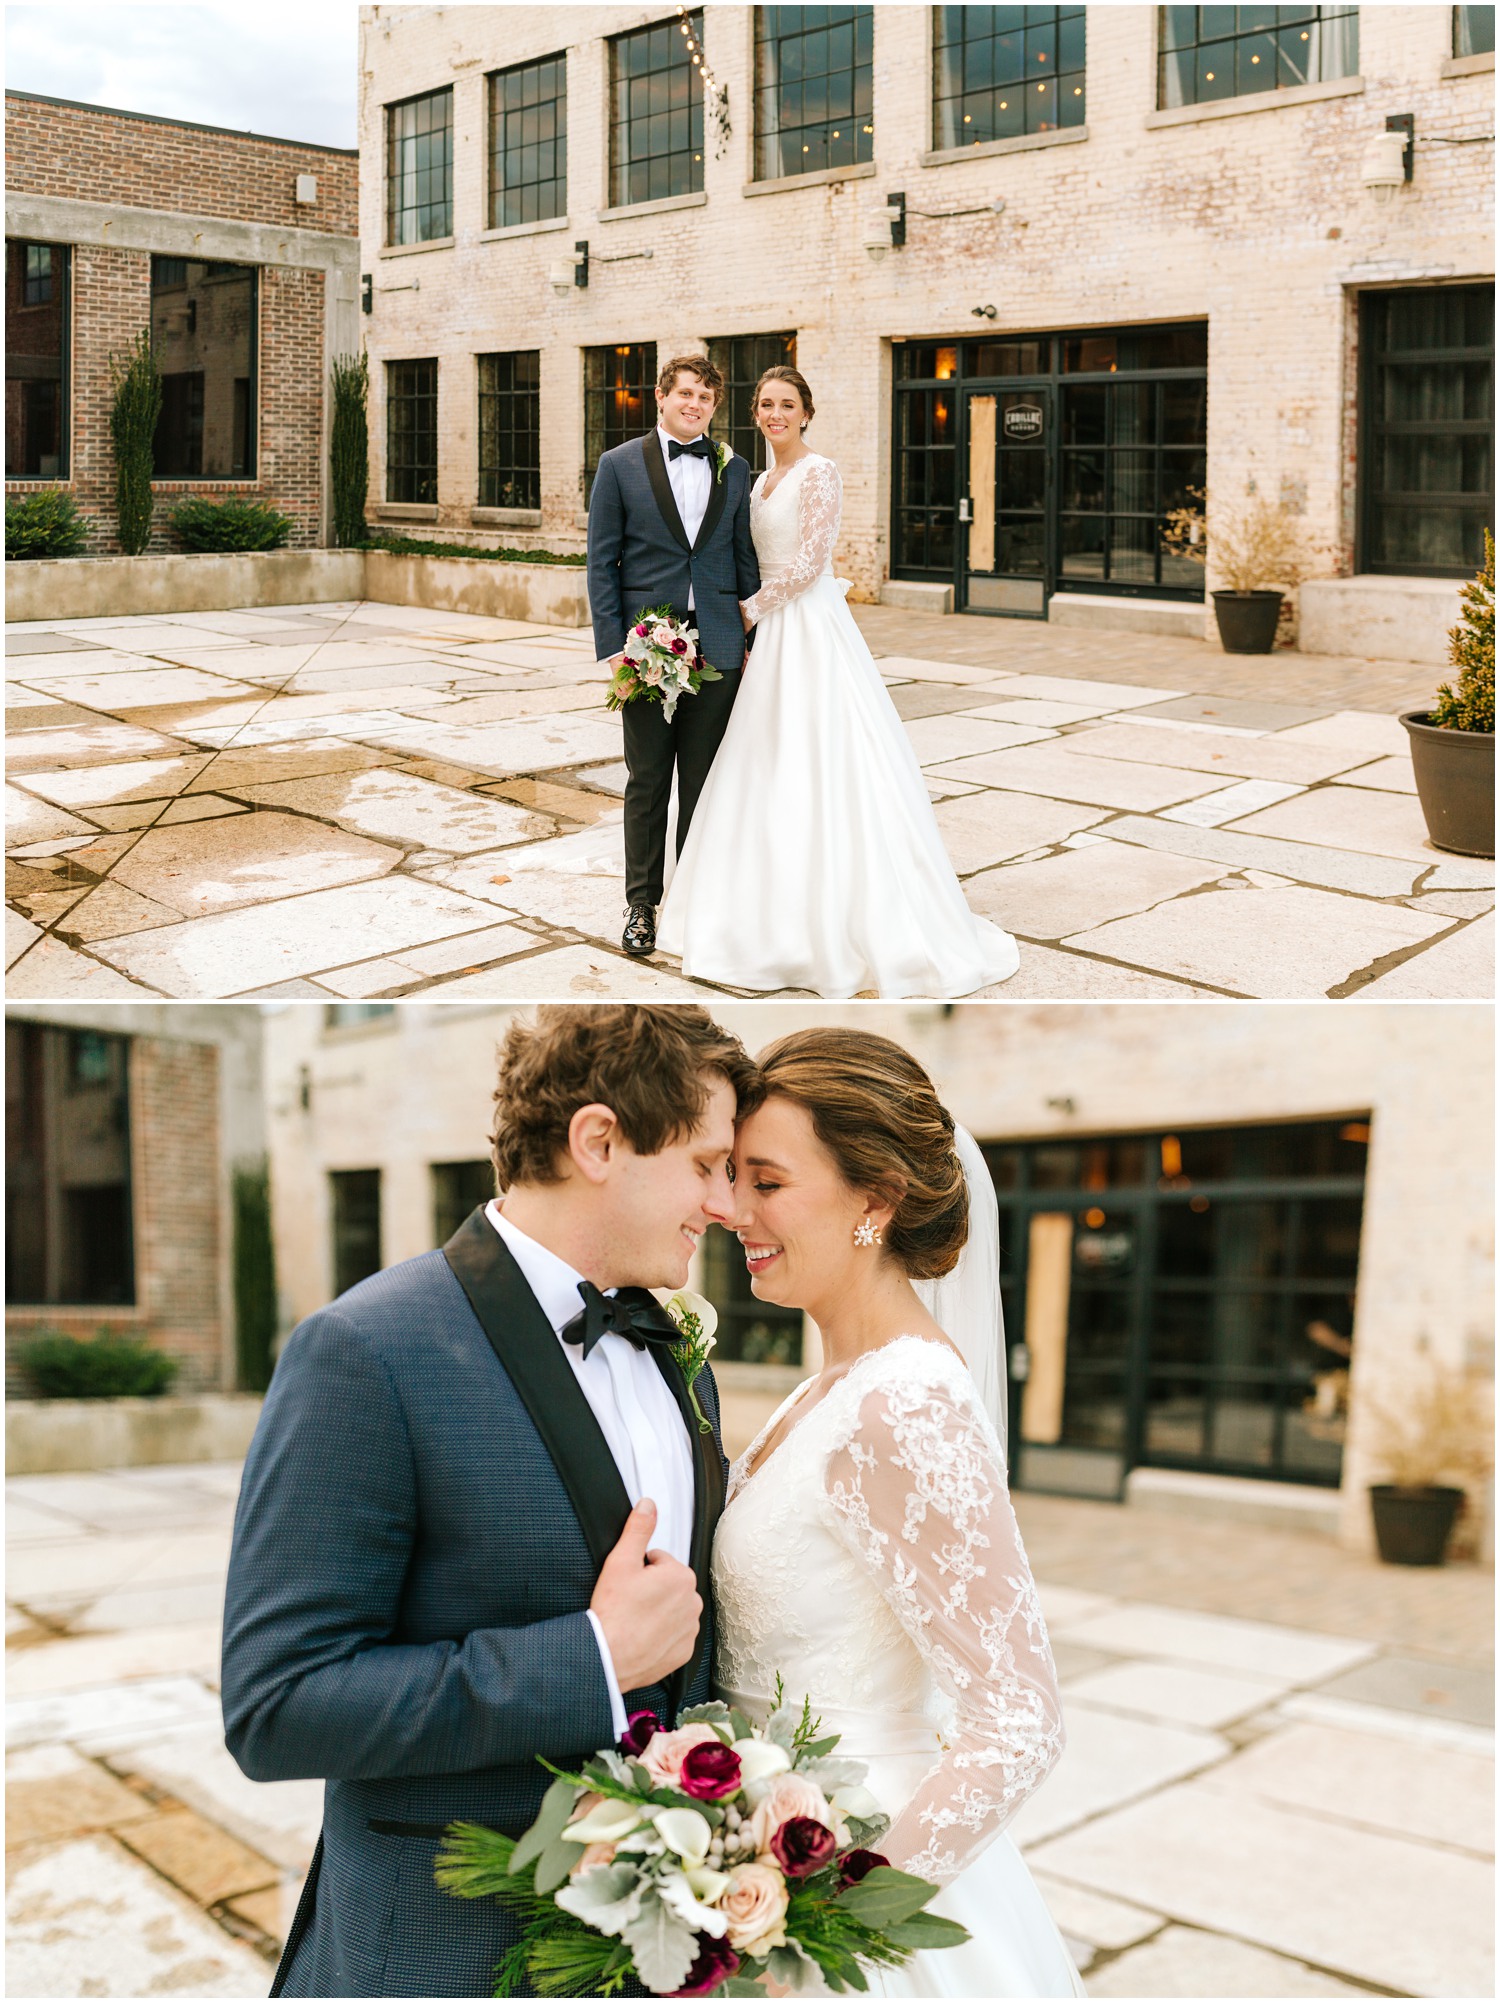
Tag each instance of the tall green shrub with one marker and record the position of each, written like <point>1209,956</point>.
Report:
<point>132,426</point>
<point>1471,649</point>
<point>349,447</point>
<point>254,1259</point>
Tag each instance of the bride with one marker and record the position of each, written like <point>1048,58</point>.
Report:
<point>814,858</point>
<point>868,1552</point>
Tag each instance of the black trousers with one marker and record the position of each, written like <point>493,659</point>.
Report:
<point>690,742</point>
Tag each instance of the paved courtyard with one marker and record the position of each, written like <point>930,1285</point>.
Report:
<point>341,801</point>
<point>1289,1799</point>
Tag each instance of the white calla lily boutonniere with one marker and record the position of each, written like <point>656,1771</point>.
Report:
<point>697,1319</point>
<point>722,455</point>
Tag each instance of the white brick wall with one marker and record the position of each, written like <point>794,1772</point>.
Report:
<point>1255,219</point>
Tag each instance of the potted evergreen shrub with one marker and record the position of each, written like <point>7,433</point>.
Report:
<point>1433,1449</point>
<point>1258,551</point>
<point>1453,744</point>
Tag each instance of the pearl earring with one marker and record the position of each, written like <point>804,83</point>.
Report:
<point>866,1234</point>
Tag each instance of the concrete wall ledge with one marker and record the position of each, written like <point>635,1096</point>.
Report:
<point>1101,612</point>
<point>1220,1498</point>
<point>1379,618</point>
<point>118,587</point>
<point>72,1435</point>
<point>915,595</point>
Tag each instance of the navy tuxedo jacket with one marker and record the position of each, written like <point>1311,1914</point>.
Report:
<point>425,1508</point>
<point>639,553</point>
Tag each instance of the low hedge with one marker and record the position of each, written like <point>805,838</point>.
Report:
<point>409,546</point>
<point>111,1366</point>
<point>230,526</point>
<point>43,524</point>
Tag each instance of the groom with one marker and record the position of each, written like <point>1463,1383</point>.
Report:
<point>476,1517</point>
<point>669,524</point>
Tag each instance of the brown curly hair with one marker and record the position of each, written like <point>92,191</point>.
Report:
<point>693,365</point>
<point>878,1114</point>
<point>652,1066</point>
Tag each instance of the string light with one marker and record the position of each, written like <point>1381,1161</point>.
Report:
<point>685,25</point>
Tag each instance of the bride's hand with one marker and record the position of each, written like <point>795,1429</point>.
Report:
<point>745,616</point>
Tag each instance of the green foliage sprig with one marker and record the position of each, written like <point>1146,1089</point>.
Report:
<point>411,546</point>
<point>1470,705</point>
<point>230,525</point>
<point>111,1366</point>
<point>132,425</point>
<point>349,447</point>
<point>43,524</point>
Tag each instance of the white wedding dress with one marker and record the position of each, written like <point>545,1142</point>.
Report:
<point>874,1562</point>
<point>814,859</point>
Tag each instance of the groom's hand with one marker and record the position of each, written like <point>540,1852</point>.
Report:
<point>647,1603</point>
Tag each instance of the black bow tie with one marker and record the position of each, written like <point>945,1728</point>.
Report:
<point>631,1312</point>
<point>699,449</point>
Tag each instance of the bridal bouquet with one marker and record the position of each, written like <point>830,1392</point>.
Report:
<point>663,661</point>
<point>701,1861</point>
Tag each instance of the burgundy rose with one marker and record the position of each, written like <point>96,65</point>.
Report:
<point>679,646</point>
<point>710,1772</point>
<point>859,1864</point>
<point>716,1962</point>
<point>642,632</point>
<point>802,1846</point>
<point>639,1732</point>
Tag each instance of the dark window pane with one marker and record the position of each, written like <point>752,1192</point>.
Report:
<point>741,360</point>
<point>510,430</point>
<point>656,112</point>
<point>617,399</point>
<point>36,361</point>
<point>458,1189</point>
<point>203,336</point>
<point>1208,53</point>
<point>411,431</point>
<point>69,1230</point>
<point>356,1226</point>
<point>419,168</point>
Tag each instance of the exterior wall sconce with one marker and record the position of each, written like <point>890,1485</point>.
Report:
<point>1387,164</point>
<point>886,228</point>
<point>984,312</point>
<point>366,293</point>
<point>565,272</point>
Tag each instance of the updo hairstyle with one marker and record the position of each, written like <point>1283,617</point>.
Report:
<point>876,1111</point>
<point>783,373</point>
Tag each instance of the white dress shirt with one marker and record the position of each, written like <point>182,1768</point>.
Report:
<point>638,1416</point>
<point>692,482</point>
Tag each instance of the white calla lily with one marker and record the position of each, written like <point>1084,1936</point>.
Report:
<point>857,1802</point>
<point>685,1831</point>
<point>679,1896</point>
<point>683,1303</point>
<point>606,1822</point>
<point>760,1760</point>
<point>708,1884</point>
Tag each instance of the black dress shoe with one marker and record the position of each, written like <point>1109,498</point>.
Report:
<point>640,930</point>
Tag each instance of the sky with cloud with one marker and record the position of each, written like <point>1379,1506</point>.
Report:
<point>261,66</point>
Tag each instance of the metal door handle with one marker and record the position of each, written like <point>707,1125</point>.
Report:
<point>963,510</point>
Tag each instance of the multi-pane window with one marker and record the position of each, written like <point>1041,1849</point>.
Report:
<point>510,422</point>
<point>741,360</point>
<point>458,1189</point>
<point>411,431</point>
<point>419,168</point>
<point>36,361</point>
<point>618,403</point>
<point>529,142</point>
<point>656,113</point>
<point>926,455</point>
<point>1001,72</point>
<point>1216,52</point>
<point>1473,31</point>
<point>203,336</point>
<point>1427,468</point>
<point>356,1226</point>
<point>69,1237</point>
<point>813,89</point>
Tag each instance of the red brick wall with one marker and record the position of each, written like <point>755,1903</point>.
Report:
<point>81,154</point>
<point>175,1203</point>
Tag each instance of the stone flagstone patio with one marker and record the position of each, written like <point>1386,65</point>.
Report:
<point>331,801</point>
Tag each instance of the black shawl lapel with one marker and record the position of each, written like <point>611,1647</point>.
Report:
<point>708,1506</point>
<point>528,1349</point>
<point>661,487</point>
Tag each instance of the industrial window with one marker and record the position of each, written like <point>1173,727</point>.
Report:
<point>617,400</point>
<point>1216,52</point>
<point>69,1235</point>
<point>742,359</point>
<point>529,142</point>
<point>356,1226</point>
<point>411,431</point>
<point>813,89</point>
<point>1002,72</point>
<point>1473,31</point>
<point>419,168</point>
<point>656,113</point>
<point>36,361</point>
<point>510,423</point>
<point>203,337</point>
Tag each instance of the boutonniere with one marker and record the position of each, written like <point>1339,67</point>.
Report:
<point>696,1320</point>
<point>722,455</point>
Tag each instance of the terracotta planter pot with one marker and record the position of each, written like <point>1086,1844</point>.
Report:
<point>1412,1524</point>
<point>1247,620</point>
<point>1455,773</point>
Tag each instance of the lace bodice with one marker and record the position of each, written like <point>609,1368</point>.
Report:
<point>794,530</point>
<point>874,1561</point>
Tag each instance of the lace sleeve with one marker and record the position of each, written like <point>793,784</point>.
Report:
<point>920,1496</point>
<point>819,505</point>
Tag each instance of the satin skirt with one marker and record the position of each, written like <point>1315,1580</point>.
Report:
<point>814,859</point>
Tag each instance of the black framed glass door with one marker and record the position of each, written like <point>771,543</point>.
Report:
<point>1005,515</point>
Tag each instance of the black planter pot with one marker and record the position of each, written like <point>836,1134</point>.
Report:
<point>1412,1524</point>
<point>1455,773</point>
<point>1247,620</point>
